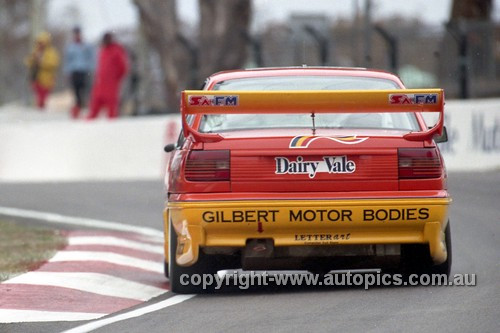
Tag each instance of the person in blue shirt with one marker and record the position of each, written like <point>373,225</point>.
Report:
<point>78,66</point>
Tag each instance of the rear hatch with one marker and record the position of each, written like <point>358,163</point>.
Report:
<point>279,161</point>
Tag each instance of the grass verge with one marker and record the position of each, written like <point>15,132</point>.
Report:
<point>24,248</point>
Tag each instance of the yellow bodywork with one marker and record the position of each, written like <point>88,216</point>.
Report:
<point>307,222</point>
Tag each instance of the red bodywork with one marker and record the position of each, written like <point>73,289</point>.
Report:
<point>249,149</point>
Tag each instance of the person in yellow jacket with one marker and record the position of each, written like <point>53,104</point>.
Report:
<point>43,63</point>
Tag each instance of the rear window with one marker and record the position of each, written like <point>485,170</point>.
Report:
<point>307,83</point>
<point>230,122</point>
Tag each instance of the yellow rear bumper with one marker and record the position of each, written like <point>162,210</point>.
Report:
<point>307,222</point>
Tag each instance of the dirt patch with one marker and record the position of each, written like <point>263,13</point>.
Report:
<point>24,248</point>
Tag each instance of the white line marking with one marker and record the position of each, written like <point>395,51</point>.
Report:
<point>110,257</point>
<point>114,241</point>
<point>101,284</point>
<point>79,221</point>
<point>26,316</point>
<point>132,314</point>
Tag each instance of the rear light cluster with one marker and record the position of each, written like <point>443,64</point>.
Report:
<point>208,165</point>
<point>417,163</point>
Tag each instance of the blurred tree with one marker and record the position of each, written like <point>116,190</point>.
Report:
<point>160,26</point>
<point>15,34</point>
<point>471,10</point>
<point>221,41</point>
<point>471,27</point>
<point>223,24</point>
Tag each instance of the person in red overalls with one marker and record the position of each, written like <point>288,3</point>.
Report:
<point>112,66</point>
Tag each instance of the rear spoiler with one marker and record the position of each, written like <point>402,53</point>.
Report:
<point>195,102</point>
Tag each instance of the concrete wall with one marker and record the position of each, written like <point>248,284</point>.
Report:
<point>474,135</point>
<point>74,151</point>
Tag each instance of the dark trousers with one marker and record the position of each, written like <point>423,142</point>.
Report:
<point>79,85</point>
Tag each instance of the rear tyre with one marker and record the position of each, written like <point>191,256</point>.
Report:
<point>180,277</point>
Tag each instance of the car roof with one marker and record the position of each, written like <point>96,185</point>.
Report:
<point>301,71</point>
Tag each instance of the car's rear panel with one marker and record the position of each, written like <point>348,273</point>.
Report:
<point>314,169</point>
<point>289,188</point>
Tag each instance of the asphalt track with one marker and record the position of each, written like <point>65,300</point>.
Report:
<point>475,222</point>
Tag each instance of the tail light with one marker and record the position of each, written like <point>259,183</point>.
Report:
<point>415,163</point>
<point>208,165</point>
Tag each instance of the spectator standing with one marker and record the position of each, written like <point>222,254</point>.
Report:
<point>78,64</point>
<point>42,64</point>
<point>112,65</point>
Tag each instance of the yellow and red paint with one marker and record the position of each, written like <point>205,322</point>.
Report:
<point>305,141</point>
<point>293,102</point>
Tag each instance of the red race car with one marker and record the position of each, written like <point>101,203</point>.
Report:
<point>306,168</point>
